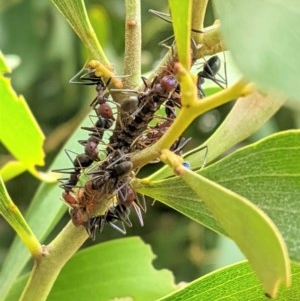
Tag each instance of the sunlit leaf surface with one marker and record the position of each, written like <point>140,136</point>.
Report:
<point>19,131</point>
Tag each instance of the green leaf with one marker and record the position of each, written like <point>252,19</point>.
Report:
<point>43,214</point>
<point>17,118</point>
<point>268,174</point>
<point>253,172</point>
<point>115,269</point>
<point>14,217</point>
<point>249,227</point>
<point>272,49</point>
<point>236,282</point>
<point>247,116</point>
<point>181,19</point>
<point>124,264</point>
<point>75,13</point>
<point>101,24</point>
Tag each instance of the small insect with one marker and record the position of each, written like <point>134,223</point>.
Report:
<point>127,197</point>
<point>91,148</point>
<point>142,108</point>
<point>80,162</point>
<point>89,77</point>
<point>114,217</point>
<point>130,104</point>
<point>210,69</point>
<point>105,111</point>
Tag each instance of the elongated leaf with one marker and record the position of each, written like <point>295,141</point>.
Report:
<point>249,227</point>
<point>236,282</point>
<point>246,117</point>
<point>181,17</point>
<point>267,50</point>
<point>19,131</point>
<point>267,173</point>
<point>75,13</point>
<point>14,217</point>
<point>107,271</point>
<point>45,211</point>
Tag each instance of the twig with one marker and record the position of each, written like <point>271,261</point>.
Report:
<point>47,268</point>
<point>133,42</point>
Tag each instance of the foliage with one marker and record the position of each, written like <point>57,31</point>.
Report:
<point>250,195</point>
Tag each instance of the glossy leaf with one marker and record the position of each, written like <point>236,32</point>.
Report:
<point>236,282</point>
<point>17,118</point>
<point>259,35</point>
<point>115,269</point>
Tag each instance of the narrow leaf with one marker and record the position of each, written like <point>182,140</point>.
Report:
<point>43,214</point>
<point>236,282</point>
<point>249,227</point>
<point>181,17</point>
<point>252,172</point>
<point>14,217</point>
<point>265,51</point>
<point>75,13</point>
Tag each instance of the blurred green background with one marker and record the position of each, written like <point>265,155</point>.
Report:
<point>34,34</point>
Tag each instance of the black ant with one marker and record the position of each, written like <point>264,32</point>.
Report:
<point>88,77</point>
<point>80,162</point>
<point>210,69</point>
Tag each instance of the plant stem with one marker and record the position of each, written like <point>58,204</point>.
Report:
<point>14,217</point>
<point>47,268</point>
<point>133,42</point>
<point>198,14</point>
<point>187,114</point>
